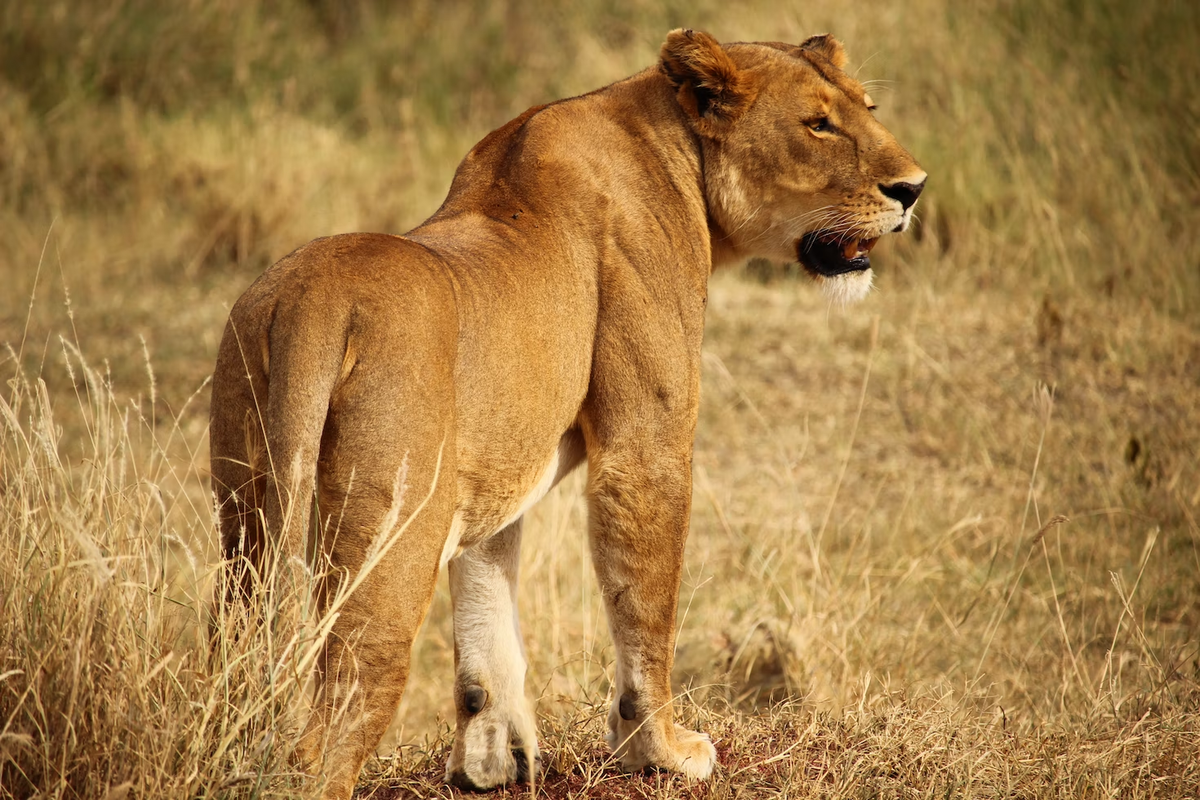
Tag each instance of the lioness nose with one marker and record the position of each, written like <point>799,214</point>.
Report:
<point>906,193</point>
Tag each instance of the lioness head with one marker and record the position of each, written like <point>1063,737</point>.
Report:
<point>796,166</point>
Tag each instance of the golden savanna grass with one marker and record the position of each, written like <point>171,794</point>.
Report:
<point>944,543</point>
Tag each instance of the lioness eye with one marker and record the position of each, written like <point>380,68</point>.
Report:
<point>820,125</point>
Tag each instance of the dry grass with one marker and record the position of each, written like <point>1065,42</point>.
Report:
<point>882,597</point>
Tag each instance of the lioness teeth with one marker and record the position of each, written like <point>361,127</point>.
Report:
<point>857,248</point>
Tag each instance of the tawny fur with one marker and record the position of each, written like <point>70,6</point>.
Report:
<point>550,312</point>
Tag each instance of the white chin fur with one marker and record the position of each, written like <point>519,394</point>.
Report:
<point>845,289</point>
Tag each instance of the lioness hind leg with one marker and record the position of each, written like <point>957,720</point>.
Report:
<point>638,523</point>
<point>495,742</point>
<point>364,665</point>
<point>240,466</point>
<point>386,487</point>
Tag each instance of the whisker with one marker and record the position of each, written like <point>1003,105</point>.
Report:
<point>745,222</point>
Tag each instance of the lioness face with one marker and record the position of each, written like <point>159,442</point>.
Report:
<point>806,172</point>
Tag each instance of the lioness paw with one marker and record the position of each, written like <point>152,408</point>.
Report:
<point>690,753</point>
<point>490,747</point>
<point>502,763</point>
<point>696,754</point>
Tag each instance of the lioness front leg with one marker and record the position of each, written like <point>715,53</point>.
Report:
<point>496,740</point>
<point>639,506</point>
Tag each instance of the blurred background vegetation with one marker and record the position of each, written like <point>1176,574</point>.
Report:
<point>870,482</point>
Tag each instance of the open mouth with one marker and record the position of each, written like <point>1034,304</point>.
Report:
<point>827,253</point>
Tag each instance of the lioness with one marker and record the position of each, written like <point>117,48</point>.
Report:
<point>550,313</point>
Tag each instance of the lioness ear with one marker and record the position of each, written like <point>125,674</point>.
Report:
<point>825,45</point>
<point>712,90</point>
